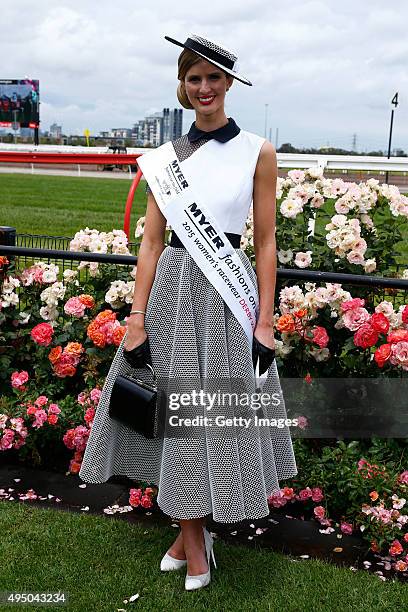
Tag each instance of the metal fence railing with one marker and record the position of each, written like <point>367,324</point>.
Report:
<point>22,250</point>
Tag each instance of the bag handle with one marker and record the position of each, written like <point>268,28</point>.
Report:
<point>147,365</point>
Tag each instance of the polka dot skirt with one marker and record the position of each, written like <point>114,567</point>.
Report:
<point>192,333</point>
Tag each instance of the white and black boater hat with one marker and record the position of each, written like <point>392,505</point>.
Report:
<point>213,53</point>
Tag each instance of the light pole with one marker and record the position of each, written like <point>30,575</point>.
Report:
<point>395,102</point>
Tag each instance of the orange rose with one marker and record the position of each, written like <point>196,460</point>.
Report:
<point>98,338</point>
<point>302,312</point>
<point>87,300</point>
<point>92,327</point>
<point>55,354</point>
<point>374,495</point>
<point>285,323</point>
<point>105,316</point>
<point>118,334</point>
<point>374,546</point>
<point>75,348</point>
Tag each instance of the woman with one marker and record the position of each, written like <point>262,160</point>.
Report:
<point>181,324</point>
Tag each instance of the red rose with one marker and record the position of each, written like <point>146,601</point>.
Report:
<point>365,336</point>
<point>42,334</point>
<point>382,354</point>
<point>380,322</point>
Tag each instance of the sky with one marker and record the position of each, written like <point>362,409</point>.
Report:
<point>327,70</point>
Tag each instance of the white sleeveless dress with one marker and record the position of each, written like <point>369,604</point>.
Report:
<point>192,332</point>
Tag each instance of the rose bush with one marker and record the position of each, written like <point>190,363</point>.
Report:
<point>59,331</point>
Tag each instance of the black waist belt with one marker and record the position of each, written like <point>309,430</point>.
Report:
<point>235,240</point>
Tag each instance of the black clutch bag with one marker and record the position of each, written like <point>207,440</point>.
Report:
<point>139,405</point>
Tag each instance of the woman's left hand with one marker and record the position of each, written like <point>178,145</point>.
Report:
<point>264,335</point>
<point>263,347</point>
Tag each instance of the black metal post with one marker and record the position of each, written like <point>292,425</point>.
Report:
<point>8,238</point>
<point>395,102</point>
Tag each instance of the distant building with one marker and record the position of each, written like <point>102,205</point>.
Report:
<point>55,131</point>
<point>121,133</point>
<point>172,124</point>
<point>158,128</point>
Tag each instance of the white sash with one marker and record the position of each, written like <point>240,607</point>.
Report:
<point>200,233</point>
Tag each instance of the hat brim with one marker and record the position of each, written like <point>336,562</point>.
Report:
<point>230,72</point>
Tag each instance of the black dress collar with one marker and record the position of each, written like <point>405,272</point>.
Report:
<point>222,134</point>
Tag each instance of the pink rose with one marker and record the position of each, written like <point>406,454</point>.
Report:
<point>18,379</point>
<point>42,334</point>
<point>6,442</point>
<point>355,257</point>
<point>302,422</point>
<point>351,304</point>
<point>319,512</point>
<point>403,477</point>
<point>40,418</point>
<point>82,397</point>
<point>53,409</point>
<point>41,401</point>
<point>346,528</point>
<point>305,493</point>
<point>135,497</point>
<point>317,494</point>
<point>277,499</point>
<point>320,336</point>
<point>355,317</point>
<point>75,307</point>
<point>399,354</point>
<point>146,502</point>
<point>95,395</point>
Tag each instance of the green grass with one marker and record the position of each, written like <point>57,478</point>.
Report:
<point>60,206</point>
<point>100,561</point>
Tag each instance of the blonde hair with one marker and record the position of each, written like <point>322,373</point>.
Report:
<point>186,60</point>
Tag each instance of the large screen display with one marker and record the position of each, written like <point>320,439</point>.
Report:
<point>19,103</point>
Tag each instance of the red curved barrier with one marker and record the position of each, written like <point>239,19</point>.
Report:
<point>129,202</point>
<point>18,157</point>
<point>82,158</point>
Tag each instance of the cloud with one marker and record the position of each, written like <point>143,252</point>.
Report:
<point>326,69</point>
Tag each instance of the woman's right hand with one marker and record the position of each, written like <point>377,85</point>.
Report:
<point>136,349</point>
<point>136,335</point>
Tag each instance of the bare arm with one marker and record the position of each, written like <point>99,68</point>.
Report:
<point>151,247</point>
<point>264,212</point>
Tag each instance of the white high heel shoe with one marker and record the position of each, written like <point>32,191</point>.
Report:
<point>201,580</point>
<point>169,563</point>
